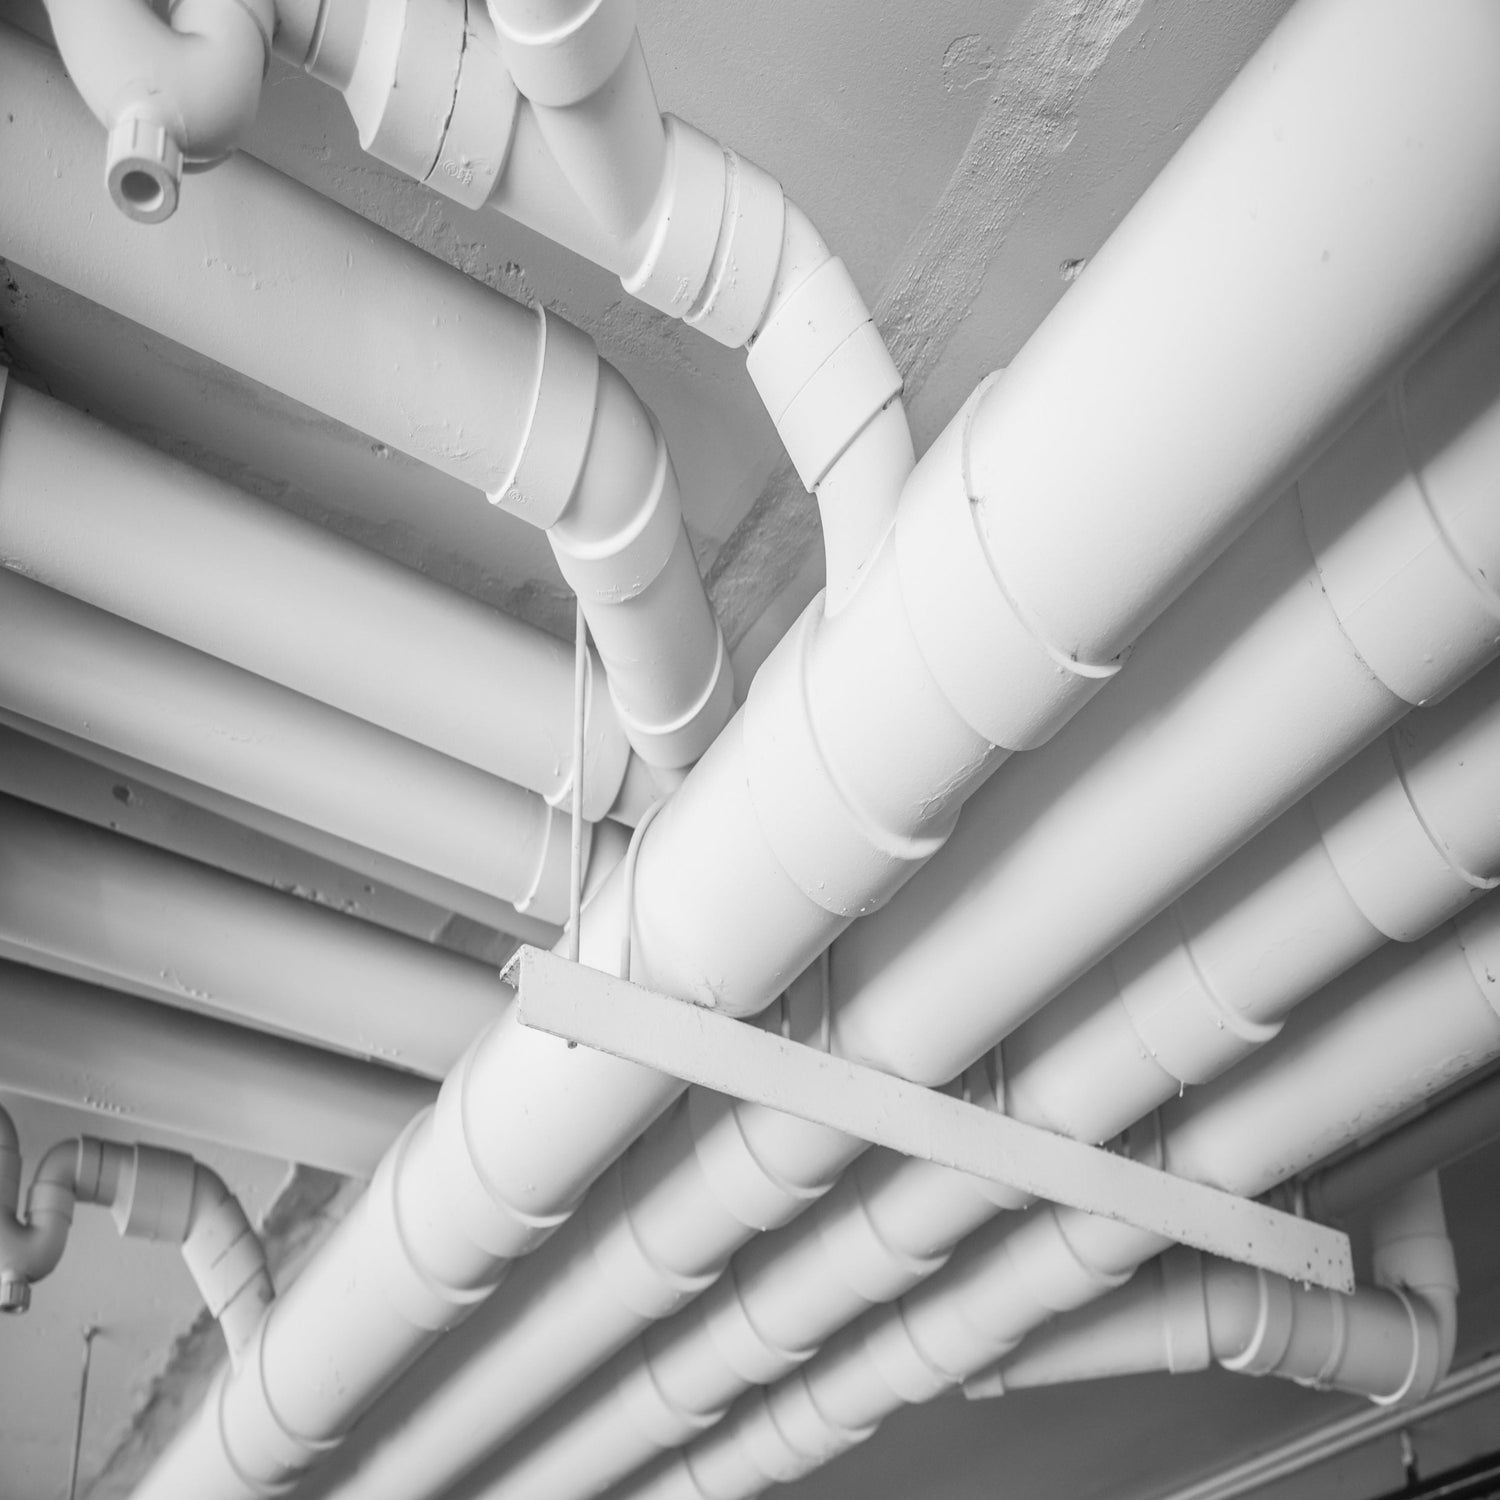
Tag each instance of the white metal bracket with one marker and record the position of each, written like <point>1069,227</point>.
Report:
<point>718,1052</point>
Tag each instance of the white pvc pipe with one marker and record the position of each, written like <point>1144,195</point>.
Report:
<point>1198,989</point>
<point>97,677</point>
<point>1375,1044</point>
<point>107,909</point>
<point>113,1054</point>
<point>451,372</point>
<point>30,772</point>
<point>789,818</point>
<point>245,581</point>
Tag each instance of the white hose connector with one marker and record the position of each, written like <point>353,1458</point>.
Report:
<point>171,94</point>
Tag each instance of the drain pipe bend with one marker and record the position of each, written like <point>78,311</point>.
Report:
<point>173,95</point>
<point>153,1194</point>
<point>1391,1342</point>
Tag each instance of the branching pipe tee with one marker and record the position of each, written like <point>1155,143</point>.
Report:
<point>152,1194</point>
<point>174,94</point>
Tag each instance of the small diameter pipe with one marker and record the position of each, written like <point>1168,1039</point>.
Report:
<point>575,846</point>
<point>128,1059</point>
<point>153,1194</point>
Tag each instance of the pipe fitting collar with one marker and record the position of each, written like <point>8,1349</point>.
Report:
<point>737,292</point>
<point>665,1424</point>
<point>265,1453</point>
<point>482,123</point>
<point>1002,678</point>
<point>893,1351</point>
<point>143,166</point>
<point>743,1347</point>
<point>835,852</point>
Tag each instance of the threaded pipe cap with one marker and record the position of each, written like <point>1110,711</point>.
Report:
<point>143,168</point>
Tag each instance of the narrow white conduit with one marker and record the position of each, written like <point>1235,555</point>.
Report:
<point>1391,1342</point>
<point>238,578</point>
<point>1410,1018</point>
<point>100,1051</point>
<point>1234,704</point>
<point>116,912</point>
<point>153,1194</point>
<point>451,372</point>
<point>790,819</point>
<point>1397,842</point>
<point>98,678</point>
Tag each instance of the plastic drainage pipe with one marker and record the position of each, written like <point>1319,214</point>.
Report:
<point>790,820</point>
<point>515,403</point>
<point>1391,1342</point>
<point>1410,1018</point>
<point>97,677</point>
<point>1253,686</point>
<point>103,907</point>
<point>131,1059</point>
<point>1400,840</point>
<point>154,1194</point>
<point>255,586</point>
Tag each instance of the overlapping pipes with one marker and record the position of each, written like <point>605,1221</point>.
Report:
<point>1364,591</point>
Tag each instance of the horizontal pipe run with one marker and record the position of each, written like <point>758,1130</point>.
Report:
<point>105,1053</point>
<point>107,909</point>
<point>33,771</point>
<point>97,677</point>
<point>240,579</point>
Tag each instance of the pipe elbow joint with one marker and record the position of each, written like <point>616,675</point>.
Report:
<point>173,95</point>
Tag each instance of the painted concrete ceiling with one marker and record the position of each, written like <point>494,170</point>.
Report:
<point>964,157</point>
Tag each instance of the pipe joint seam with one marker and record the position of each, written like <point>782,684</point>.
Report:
<point>754,1358</point>
<point>1409,602</point>
<point>653,1413</point>
<point>868,1263</point>
<point>482,120</point>
<point>737,290</point>
<point>265,1453</point>
<point>677,742</point>
<point>1185,1334</point>
<point>811,1433</point>
<point>900,1360</point>
<point>550,460</point>
<point>637,1278</point>
<point>404,81</point>
<point>1271,1334</point>
<point>833,850</point>
<point>1400,877</point>
<point>567,62</point>
<point>1002,679</point>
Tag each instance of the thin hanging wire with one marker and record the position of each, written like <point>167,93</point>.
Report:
<point>89,1335</point>
<point>632,854</point>
<point>575,849</point>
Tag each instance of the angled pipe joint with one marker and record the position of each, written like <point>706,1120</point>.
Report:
<point>174,95</point>
<point>152,1194</point>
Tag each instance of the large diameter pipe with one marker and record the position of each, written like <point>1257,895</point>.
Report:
<point>791,820</point>
<point>106,908</point>
<point>99,1051</point>
<point>449,371</point>
<point>1377,852</point>
<point>97,677</point>
<point>243,580</point>
<point>1375,1044</point>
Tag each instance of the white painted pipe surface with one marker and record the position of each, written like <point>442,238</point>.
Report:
<point>107,909</point>
<point>1411,828</point>
<point>97,1050</point>
<point>450,372</point>
<point>788,817</point>
<point>243,580</point>
<point>1391,1342</point>
<point>1412,1017</point>
<point>225,819</point>
<point>97,677</point>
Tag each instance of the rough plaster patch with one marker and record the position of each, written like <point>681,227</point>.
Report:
<point>306,1209</point>
<point>1031,117</point>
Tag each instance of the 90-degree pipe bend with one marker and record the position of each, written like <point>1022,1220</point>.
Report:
<point>172,94</point>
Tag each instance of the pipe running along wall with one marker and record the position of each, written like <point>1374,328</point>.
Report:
<point>802,826</point>
<point>105,908</point>
<point>153,1194</point>
<point>1400,840</point>
<point>1410,1018</point>
<point>505,398</point>
<point>1251,688</point>
<point>103,1052</point>
<point>238,578</point>
<point>1391,1342</point>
